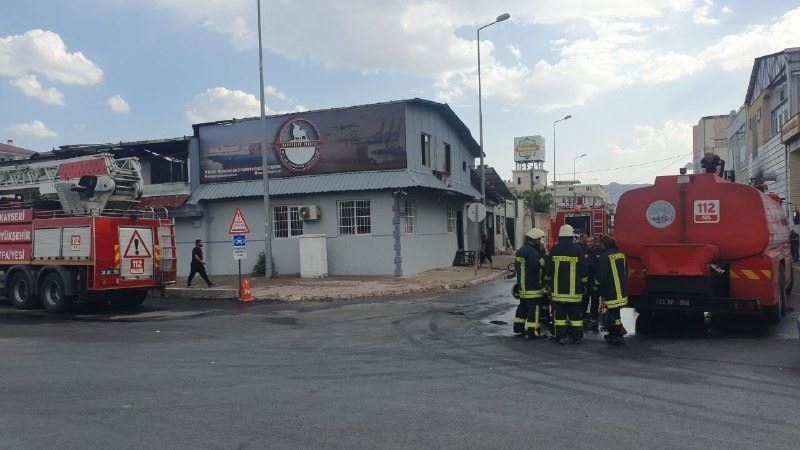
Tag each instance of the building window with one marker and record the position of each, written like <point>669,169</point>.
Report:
<point>410,217</point>
<point>779,116</point>
<point>425,147</point>
<point>451,220</point>
<point>354,217</point>
<point>447,158</point>
<point>286,221</point>
<point>499,223</point>
<point>463,166</point>
<point>519,180</point>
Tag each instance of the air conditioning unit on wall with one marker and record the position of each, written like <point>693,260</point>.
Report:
<point>310,213</point>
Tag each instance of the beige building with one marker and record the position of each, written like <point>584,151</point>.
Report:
<point>568,194</point>
<point>711,135</point>
<point>764,136</point>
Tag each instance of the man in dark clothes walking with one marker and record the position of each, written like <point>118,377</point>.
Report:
<point>198,264</point>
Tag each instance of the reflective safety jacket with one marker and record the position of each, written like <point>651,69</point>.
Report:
<point>611,278</point>
<point>567,271</point>
<point>529,264</point>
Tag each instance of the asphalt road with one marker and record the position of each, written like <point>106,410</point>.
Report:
<point>430,372</point>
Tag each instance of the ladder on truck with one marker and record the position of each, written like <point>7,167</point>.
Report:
<point>82,184</point>
<point>599,225</point>
<point>167,251</point>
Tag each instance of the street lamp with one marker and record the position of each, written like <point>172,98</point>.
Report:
<point>264,161</point>
<point>567,117</point>
<point>575,159</point>
<point>500,18</point>
<point>575,179</point>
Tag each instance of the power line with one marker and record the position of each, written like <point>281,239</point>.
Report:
<point>629,166</point>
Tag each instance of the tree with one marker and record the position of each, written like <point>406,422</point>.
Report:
<point>537,202</point>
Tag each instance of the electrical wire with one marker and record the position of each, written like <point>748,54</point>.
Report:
<point>629,166</point>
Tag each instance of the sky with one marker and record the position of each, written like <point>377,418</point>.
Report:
<point>634,74</point>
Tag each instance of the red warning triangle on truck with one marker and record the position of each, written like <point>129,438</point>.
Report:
<point>136,247</point>
<point>238,225</point>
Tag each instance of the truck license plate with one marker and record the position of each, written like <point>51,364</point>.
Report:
<point>673,302</point>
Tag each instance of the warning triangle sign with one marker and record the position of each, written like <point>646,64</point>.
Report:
<point>136,247</point>
<point>238,225</point>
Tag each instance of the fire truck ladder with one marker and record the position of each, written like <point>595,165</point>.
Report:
<point>167,250</point>
<point>82,184</point>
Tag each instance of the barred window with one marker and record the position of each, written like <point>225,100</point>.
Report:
<point>286,221</point>
<point>410,217</point>
<point>354,217</point>
<point>451,220</point>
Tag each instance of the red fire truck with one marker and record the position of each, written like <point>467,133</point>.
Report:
<point>70,230</point>
<point>593,221</point>
<point>698,243</point>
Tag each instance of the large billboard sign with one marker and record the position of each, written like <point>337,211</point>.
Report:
<point>330,141</point>
<point>529,149</point>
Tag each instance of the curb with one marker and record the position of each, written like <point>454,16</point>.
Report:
<point>201,293</point>
<point>229,294</point>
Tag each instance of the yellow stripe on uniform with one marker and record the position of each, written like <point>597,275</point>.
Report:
<point>613,258</point>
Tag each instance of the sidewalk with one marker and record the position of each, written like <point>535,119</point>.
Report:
<point>293,289</point>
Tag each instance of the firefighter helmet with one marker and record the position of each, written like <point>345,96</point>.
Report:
<point>566,231</point>
<point>534,233</point>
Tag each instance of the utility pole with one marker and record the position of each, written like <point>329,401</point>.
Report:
<point>268,271</point>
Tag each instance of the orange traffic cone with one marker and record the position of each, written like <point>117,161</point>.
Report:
<point>244,291</point>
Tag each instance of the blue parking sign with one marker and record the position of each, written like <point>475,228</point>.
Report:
<point>239,241</point>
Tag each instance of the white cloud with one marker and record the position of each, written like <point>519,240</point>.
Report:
<point>702,14</point>
<point>35,129</point>
<point>737,51</point>
<point>656,150</point>
<point>425,39</point>
<point>118,104</point>
<point>416,37</point>
<point>272,91</point>
<point>221,103</point>
<point>515,51</point>
<point>727,10</point>
<point>44,53</point>
<point>30,86</point>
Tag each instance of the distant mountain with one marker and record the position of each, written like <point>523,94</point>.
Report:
<point>615,190</point>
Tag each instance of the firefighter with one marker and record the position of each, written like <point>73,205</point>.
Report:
<point>567,271</point>
<point>591,298</point>
<point>529,264</point>
<point>611,280</point>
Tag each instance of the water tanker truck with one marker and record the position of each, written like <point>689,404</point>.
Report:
<point>698,243</point>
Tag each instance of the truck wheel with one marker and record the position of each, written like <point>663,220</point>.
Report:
<point>129,299</point>
<point>54,295</point>
<point>774,314</point>
<point>20,292</point>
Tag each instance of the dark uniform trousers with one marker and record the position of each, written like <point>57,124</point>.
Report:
<point>531,314</point>
<point>568,304</point>
<point>614,274</point>
<point>613,320</point>
<point>568,318</point>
